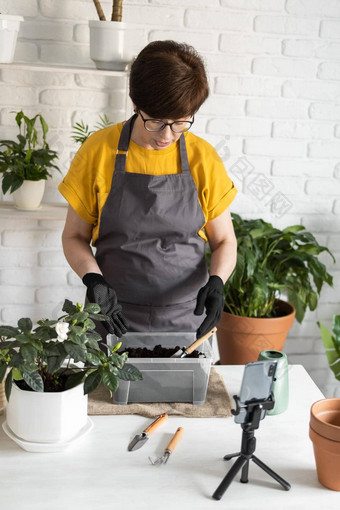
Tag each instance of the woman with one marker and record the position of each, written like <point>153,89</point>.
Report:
<point>149,194</point>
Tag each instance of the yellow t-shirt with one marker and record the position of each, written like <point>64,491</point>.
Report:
<point>88,182</point>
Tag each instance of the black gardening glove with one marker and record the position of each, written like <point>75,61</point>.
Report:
<point>101,292</point>
<point>210,297</point>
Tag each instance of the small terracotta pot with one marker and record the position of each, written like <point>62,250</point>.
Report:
<point>241,339</point>
<point>324,431</point>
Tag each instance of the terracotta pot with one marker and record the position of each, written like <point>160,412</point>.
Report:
<point>241,339</point>
<point>324,431</point>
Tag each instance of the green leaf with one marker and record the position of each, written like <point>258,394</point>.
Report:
<point>34,381</point>
<point>110,381</point>
<point>332,350</point>
<point>23,339</point>
<point>293,229</point>
<point>336,330</point>
<point>93,359</point>
<point>92,341</point>
<point>92,381</point>
<point>119,359</point>
<point>17,375</point>
<point>15,360</point>
<point>3,368</point>
<point>45,333</point>
<point>75,351</point>
<point>12,182</point>
<point>52,348</point>
<point>92,308</point>
<point>54,363</point>
<point>129,373</point>
<point>80,316</point>
<point>69,307</point>
<point>28,352</point>
<point>8,385</point>
<point>25,325</point>
<point>74,379</point>
<point>9,331</point>
<point>89,324</point>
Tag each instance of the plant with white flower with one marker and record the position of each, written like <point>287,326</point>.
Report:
<point>60,354</point>
<point>62,328</point>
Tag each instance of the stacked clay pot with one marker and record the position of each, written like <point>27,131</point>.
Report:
<point>324,431</point>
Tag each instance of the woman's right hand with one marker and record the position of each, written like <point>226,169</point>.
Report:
<point>100,291</point>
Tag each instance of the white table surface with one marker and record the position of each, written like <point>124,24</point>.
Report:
<point>98,473</point>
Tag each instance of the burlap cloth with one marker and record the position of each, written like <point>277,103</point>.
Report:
<point>217,403</point>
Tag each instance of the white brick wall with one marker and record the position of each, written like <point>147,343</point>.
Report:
<point>274,71</point>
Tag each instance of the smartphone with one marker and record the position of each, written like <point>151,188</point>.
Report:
<point>257,382</point>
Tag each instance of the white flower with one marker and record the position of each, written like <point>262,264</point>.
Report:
<point>62,328</point>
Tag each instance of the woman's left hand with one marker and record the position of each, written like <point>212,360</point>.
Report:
<point>210,298</point>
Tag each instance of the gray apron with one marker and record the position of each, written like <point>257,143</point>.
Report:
<point>148,247</point>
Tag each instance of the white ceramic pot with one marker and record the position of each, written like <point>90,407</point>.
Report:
<point>9,28</point>
<point>113,44</point>
<point>46,417</point>
<point>29,195</point>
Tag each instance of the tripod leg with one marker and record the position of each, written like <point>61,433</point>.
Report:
<point>244,473</point>
<point>272,473</point>
<point>235,468</point>
<point>231,455</point>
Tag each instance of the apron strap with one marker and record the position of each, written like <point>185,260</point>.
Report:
<point>123,146</point>
<point>184,155</point>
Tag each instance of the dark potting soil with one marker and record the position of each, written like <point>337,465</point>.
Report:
<point>158,352</point>
<point>49,386</point>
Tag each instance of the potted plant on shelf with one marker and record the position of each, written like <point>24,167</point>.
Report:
<point>49,371</point>
<point>270,262</point>
<point>324,425</point>
<point>25,163</point>
<point>81,131</point>
<point>9,29</point>
<point>114,43</point>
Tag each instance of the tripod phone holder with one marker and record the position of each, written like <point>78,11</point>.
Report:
<point>255,411</point>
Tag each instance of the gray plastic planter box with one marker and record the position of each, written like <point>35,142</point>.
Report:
<point>165,379</point>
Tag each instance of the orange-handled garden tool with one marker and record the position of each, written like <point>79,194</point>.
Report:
<point>140,439</point>
<point>181,353</point>
<point>170,448</point>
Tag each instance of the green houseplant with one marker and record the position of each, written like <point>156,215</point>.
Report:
<point>331,342</point>
<point>42,357</point>
<point>81,131</point>
<point>324,425</point>
<point>49,370</point>
<point>26,163</point>
<point>270,263</point>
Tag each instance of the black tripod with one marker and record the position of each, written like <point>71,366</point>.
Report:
<point>248,446</point>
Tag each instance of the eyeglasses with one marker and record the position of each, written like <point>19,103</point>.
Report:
<point>179,126</point>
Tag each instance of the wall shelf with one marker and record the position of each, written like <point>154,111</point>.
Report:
<point>45,212</point>
<point>26,66</point>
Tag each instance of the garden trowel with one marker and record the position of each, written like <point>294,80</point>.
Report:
<point>140,439</point>
<point>181,353</point>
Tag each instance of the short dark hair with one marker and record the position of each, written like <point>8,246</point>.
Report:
<point>168,80</point>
